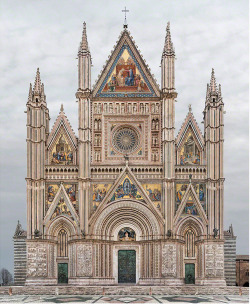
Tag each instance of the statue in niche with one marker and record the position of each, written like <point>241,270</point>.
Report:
<point>157,108</point>
<point>105,108</point>
<point>111,108</point>
<point>152,108</point>
<point>126,234</point>
<point>99,108</point>
<point>157,124</point>
<point>134,108</point>
<point>129,108</point>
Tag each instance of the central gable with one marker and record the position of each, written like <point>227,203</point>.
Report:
<point>126,74</point>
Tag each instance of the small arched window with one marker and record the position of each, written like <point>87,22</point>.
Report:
<point>189,243</point>
<point>62,249</point>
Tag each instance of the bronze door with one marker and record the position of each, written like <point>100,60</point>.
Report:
<point>189,273</point>
<point>62,273</point>
<point>126,266</point>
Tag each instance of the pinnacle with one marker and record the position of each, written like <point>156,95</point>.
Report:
<point>61,109</point>
<point>213,85</point>
<point>84,43</point>
<point>30,92</point>
<point>168,46</point>
<point>37,84</point>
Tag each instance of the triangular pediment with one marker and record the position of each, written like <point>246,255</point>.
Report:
<point>61,206</point>
<point>62,142</point>
<point>127,187</point>
<point>126,74</point>
<point>190,205</point>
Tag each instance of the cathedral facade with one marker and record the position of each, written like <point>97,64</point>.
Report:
<point>125,200</point>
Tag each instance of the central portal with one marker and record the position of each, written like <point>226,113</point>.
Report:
<point>126,266</point>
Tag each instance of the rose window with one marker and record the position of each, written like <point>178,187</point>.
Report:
<point>125,140</point>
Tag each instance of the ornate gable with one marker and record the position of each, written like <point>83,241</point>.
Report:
<point>126,74</point>
<point>190,205</point>
<point>62,142</point>
<point>189,142</point>
<point>61,206</point>
<point>127,187</point>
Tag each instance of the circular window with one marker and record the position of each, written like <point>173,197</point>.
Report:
<point>125,140</point>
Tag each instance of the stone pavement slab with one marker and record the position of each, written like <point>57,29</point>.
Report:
<point>124,299</point>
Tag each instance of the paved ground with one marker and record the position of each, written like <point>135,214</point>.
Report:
<point>124,299</point>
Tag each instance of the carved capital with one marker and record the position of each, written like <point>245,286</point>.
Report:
<point>83,94</point>
<point>168,95</point>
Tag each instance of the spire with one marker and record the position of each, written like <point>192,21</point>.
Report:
<point>37,85</point>
<point>62,109</point>
<point>19,230</point>
<point>213,85</point>
<point>84,42</point>
<point>168,46</point>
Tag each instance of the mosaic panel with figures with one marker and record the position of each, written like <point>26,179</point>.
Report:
<point>155,193</point>
<point>125,78</point>
<point>189,153</point>
<point>71,190</point>
<point>99,192</point>
<point>62,153</point>
<point>62,209</point>
<point>127,190</point>
<point>180,190</point>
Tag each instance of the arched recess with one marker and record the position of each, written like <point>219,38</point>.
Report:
<point>191,230</point>
<point>62,222</point>
<point>190,222</point>
<point>120,214</point>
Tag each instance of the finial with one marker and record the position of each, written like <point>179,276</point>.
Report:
<point>125,25</point>
<point>168,26</point>
<point>37,85</point>
<point>190,108</point>
<point>62,109</point>
<point>190,178</point>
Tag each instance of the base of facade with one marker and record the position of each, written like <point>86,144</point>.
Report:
<point>92,281</point>
<point>211,282</point>
<point>40,281</point>
<point>78,281</point>
<point>161,282</point>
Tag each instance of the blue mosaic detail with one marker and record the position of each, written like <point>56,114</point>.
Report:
<point>113,94</point>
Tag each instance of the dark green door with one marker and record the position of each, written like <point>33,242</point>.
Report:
<point>62,273</point>
<point>126,266</point>
<point>189,273</point>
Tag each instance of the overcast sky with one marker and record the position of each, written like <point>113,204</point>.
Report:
<point>46,34</point>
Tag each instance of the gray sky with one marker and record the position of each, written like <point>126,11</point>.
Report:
<point>46,34</point>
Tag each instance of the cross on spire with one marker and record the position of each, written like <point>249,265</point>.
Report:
<point>125,25</point>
